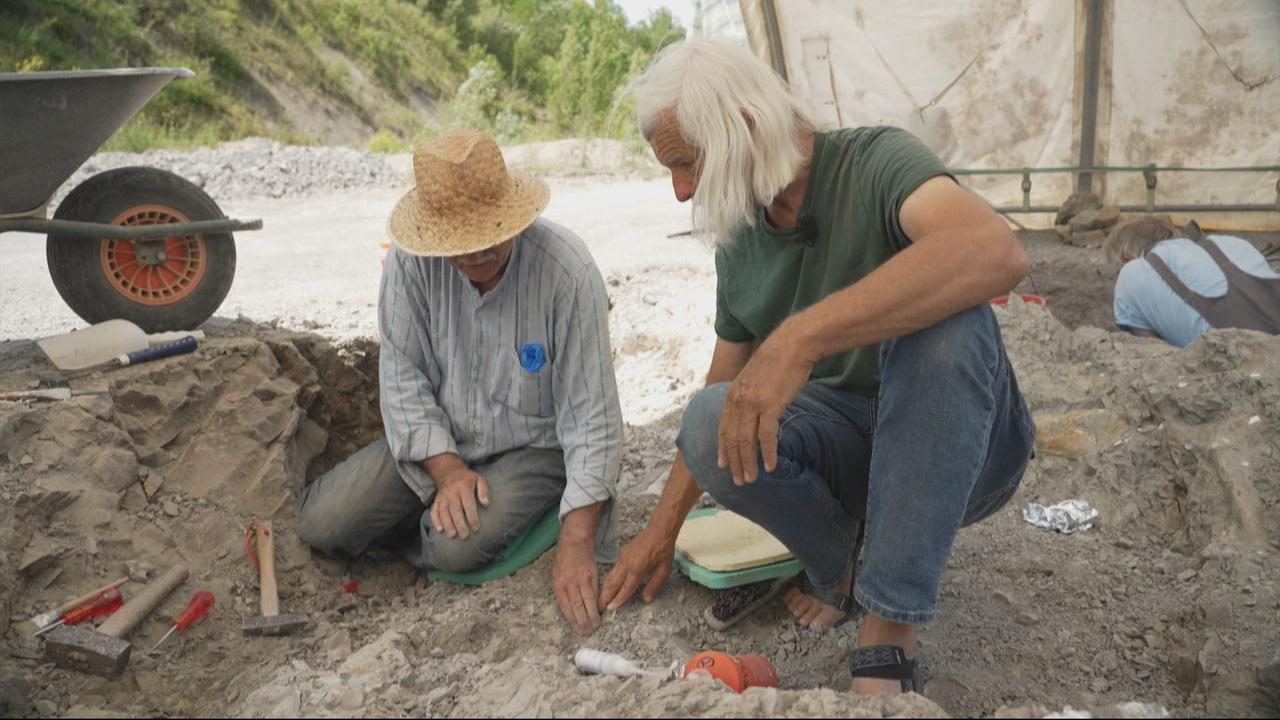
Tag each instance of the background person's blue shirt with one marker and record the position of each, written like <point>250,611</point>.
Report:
<point>1145,301</point>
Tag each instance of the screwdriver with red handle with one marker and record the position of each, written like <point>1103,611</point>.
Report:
<point>199,604</point>
<point>106,602</point>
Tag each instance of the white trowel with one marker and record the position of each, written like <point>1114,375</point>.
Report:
<point>104,342</point>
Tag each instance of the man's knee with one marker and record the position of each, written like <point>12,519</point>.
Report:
<point>318,527</point>
<point>971,335</point>
<point>351,504</point>
<point>699,438</point>
<point>458,555</point>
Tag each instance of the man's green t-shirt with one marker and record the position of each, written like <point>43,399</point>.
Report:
<point>848,227</point>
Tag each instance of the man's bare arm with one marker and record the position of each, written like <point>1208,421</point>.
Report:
<point>573,575</point>
<point>681,493</point>
<point>650,554</point>
<point>962,254</point>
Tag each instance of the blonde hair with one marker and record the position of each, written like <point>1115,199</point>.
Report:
<point>1133,238</point>
<point>742,118</point>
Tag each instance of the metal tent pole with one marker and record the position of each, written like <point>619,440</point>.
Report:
<point>1092,71</point>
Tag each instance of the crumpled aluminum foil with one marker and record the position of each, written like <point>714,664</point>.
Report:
<point>1065,517</point>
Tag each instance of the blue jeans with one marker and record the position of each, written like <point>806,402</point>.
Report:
<point>944,445</point>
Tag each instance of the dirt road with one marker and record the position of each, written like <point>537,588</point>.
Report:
<point>315,265</point>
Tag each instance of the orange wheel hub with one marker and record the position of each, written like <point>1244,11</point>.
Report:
<point>153,272</point>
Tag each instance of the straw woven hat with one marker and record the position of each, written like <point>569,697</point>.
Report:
<point>466,199</point>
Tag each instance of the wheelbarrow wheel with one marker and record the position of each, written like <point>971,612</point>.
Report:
<point>172,283</point>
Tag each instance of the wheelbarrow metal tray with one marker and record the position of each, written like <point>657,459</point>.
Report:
<point>53,122</point>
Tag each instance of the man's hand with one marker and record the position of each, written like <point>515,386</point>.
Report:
<point>573,576</point>
<point>648,556</point>
<point>454,511</point>
<point>774,376</point>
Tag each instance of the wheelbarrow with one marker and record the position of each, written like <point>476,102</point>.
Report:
<point>134,243</point>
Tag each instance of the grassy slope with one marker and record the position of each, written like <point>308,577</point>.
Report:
<point>380,61</point>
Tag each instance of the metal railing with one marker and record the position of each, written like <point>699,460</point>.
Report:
<point>1149,174</point>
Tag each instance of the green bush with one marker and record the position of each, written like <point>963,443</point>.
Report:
<point>385,141</point>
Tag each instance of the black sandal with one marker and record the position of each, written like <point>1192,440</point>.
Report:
<point>886,662</point>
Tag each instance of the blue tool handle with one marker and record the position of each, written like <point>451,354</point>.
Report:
<point>179,347</point>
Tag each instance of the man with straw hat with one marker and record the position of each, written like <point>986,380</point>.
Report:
<point>497,388</point>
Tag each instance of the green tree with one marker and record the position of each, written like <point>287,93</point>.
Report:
<point>476,101</point>
<point>565,101</point>
<point>608,63</point>
<point>659,31</point>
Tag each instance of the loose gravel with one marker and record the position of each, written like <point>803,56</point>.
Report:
<point>257,168</point>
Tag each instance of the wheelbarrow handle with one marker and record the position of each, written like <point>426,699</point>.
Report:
<point>103,231</point>
<point>180,347</point>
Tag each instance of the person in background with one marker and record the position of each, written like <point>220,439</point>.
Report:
<point>1177,288</point>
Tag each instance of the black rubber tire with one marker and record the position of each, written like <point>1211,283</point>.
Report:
<point>76,268</point>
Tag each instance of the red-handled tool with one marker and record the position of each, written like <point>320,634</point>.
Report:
<point>105,603</point>
<point>200,604</point>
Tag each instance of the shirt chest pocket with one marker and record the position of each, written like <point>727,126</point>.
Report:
<point>528,389</point>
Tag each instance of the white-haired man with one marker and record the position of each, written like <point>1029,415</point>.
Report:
<point>859,379</point>
<point>497,387</point>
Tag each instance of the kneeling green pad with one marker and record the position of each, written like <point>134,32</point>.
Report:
<point>522,551</point>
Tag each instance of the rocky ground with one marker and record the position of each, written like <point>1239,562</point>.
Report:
<point>256,167</point>
<point>1170,601</point>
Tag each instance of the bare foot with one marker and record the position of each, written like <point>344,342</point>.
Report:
<point>813,614</point>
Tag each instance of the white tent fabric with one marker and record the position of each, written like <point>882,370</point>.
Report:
<point>1196,83</point>
<point>998,84</point>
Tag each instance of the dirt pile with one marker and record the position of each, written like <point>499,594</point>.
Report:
<point>163,469</point>
<point>1171,600</point>
<point>1180,451</point>
<point>379,679</point>
<point>262,168</point>
<point>585,157</point>
<point>1183,444</point>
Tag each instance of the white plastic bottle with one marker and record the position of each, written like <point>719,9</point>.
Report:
<point>598,662</point>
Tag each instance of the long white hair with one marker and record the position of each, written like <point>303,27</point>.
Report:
<point>739,114</point>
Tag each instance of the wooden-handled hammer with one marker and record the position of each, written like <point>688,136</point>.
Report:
<point>105,651</point>
<point>270,622</point>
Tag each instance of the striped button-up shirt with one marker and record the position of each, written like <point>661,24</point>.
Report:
<point>453,379</point>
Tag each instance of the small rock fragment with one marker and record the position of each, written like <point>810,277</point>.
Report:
<point>137,570</point>
<point>39,556</point>
<point>337,646</point>
<point>1218,614</point>
<point>352,699</point>
<point>1186,671</point>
